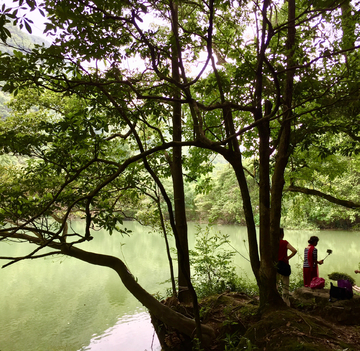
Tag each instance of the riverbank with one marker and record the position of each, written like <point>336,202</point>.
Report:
<point>312,323</point>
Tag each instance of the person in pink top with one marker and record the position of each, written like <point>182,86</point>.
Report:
<point>284,246</point>
<point>310,267</point>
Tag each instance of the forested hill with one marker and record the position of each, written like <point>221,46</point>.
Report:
<point>18,39</point>
<point>21,39</point>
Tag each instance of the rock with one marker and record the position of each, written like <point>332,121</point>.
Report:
<point>345,312</point>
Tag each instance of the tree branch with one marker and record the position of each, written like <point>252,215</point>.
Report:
<point>30,256</point>
<point>330,198</point>
<point>159,310</point>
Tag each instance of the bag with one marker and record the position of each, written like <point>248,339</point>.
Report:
<point>283,268</point>
<point>345,284</point>
<point>317,283</point>
<point>340,293</point>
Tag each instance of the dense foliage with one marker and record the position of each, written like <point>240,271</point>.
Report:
<point>135,98</point>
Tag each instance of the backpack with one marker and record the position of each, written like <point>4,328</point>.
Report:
<point>340,293</point>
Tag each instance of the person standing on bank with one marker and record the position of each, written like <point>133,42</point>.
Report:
<point>310,269</point>
<point>284,269</point>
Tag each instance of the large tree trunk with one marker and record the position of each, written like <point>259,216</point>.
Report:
<point>268,292</point>
<point>270,207</point>
<point>269,237</point>
<point>184,294</point>
<point>269,296</point>
<point>180,212</point>
<point>282,156</point>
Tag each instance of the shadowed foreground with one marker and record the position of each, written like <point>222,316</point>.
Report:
<point>312,323</point>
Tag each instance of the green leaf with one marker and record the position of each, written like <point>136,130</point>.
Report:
<point>27,26</point>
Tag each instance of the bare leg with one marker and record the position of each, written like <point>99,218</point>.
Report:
<point>286,290</point>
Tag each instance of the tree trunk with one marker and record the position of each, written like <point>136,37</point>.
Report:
<point>233,156</point>
<point>269,237</point>
<point>268,291</point>
<point>269,296</point>
<point>249,216</point>
<point>184,294</point>
<point>282,156</point>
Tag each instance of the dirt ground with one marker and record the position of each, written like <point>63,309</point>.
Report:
<point>311,323</point>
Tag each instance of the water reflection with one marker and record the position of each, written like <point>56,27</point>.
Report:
<point>63,304</point>
<point>131,332</point>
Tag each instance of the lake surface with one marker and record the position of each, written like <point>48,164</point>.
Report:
<point>63,304</point>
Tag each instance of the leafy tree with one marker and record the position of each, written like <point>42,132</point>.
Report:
<point>203,81</point>
<point>336,175</point>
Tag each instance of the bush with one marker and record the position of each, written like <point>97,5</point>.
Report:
<point>214,272</point>
<point>341,276</point>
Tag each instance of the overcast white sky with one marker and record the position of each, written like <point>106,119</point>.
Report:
<point>38,28</point>
<point>38,25</point>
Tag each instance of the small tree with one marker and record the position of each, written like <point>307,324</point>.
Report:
<point>211,260</point>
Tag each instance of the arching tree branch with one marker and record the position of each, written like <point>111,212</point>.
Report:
<point>330,198</point>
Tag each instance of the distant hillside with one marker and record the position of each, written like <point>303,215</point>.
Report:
<point>21,39</point>
<point>18,39</point>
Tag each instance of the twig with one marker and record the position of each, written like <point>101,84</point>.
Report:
<point>17,259</point>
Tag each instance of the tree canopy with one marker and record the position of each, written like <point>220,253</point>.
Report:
<point>133,83</point>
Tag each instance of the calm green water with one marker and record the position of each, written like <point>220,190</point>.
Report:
<point>57,304</point>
